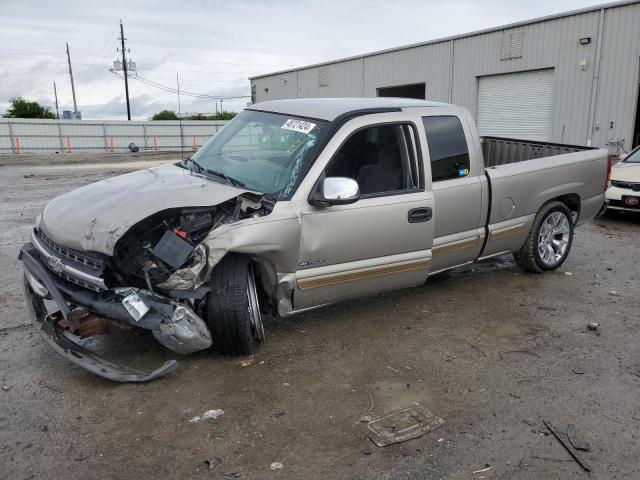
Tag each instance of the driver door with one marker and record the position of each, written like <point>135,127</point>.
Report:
<point>382,241</point>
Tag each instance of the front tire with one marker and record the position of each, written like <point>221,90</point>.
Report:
<point>233,308</point>
<point>549,241</point>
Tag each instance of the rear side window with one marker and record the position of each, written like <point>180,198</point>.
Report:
<point>447,147</point>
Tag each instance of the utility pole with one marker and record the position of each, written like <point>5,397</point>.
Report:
<point>125,68</point>
<point>73,88</point>
<point>55,93</point>
<point>180,119</point>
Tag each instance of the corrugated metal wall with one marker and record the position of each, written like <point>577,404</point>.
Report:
<point>41,136</point>
<point>414,65</point>
<point>586,98</point>
<point>619,75</point>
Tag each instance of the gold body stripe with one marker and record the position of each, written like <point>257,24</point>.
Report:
<point>351,277</point>
<point>448,248</point>
<point>509,232</point>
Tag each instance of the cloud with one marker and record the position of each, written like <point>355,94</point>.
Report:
<point>215,45</point>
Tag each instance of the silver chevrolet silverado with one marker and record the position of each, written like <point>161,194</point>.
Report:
<point>293,205</point>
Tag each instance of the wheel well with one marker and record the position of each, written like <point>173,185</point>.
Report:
<point>266,282</point>
<point>571,200</point>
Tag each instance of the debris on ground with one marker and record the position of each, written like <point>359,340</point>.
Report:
<point>593,326</point>
<point>6,388</point>
<point>276,466</point>
<point>212,463</point>
<point>614,293</point>
<point>568,274</point>
<point>565,442</point>
<point>576,440</point>
<point>365,418</point>
<point>402,424</point>
<point>482,470</point>
<point>246,363</point>
<point>208,415</point>
<point>366,451</point>
<point>578,370</point>
<point>393,369</point>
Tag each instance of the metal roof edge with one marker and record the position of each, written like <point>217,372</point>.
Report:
<point>521,23</point>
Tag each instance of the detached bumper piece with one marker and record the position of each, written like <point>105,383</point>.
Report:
<point>173,324</point>
<point>88,360</point>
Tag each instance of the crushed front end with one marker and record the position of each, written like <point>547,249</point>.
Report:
<point>76,284</point>
<point>157,278</point>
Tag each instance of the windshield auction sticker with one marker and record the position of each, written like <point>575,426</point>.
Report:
<point>298,125</point>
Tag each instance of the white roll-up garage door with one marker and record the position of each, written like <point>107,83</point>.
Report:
<point>516,105</point>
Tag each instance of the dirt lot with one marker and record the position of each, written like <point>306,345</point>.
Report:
<point>490,349</point>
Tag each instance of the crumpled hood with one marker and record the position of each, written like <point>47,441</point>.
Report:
<point>93,217</point>
<point>626,172</point>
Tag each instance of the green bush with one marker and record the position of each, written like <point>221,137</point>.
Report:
<point>21,108</point>
<point>165,115</point>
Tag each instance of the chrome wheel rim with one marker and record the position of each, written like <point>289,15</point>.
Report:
<point>553,239</point>
<point>257,329</point>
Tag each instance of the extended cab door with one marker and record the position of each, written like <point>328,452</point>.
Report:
<point>382,241</point>
<point>457,187</point>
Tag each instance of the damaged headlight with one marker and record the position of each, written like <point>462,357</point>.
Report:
<point>164,251</point>
<point>191,276</point>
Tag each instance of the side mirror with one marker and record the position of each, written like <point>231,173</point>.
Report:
<point>335,191</point>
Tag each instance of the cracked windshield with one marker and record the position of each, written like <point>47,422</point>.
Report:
<point>264,152</point>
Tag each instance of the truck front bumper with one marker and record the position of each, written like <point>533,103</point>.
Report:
<point>172,324</point>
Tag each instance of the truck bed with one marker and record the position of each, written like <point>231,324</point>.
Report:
<point>500,151</point>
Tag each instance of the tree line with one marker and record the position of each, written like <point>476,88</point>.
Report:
<point>171,115</point>
<point>21,108</point>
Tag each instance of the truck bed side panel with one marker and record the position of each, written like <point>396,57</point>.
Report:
<point>518,190</point>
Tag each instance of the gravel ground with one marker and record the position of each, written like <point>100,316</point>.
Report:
<point>490,349</point>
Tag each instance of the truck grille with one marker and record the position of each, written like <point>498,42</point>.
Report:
<point>72,254</point>
<point>81,268</point>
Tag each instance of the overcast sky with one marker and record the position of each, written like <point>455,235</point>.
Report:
<point>213,45</point>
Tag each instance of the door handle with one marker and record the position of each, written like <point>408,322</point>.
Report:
<point>418,215</point>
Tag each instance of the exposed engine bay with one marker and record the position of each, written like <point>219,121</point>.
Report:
<point>164,251</point>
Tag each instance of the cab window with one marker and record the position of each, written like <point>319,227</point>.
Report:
<point>447,147</point>
<point>381,158</point>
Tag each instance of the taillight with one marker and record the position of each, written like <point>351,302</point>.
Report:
<point>609,164</point>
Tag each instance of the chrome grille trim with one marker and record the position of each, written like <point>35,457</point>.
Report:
<point>70,254</point>
<point>65,271</point>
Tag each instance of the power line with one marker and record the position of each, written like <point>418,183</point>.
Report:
<point>169,89</point>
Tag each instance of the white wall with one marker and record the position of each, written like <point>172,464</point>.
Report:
<point>70,136</point>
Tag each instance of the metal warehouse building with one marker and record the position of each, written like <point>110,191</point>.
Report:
<point>569,78</point>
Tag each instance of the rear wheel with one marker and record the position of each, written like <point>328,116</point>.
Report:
<point>233,307</point>
<point>549,240</point>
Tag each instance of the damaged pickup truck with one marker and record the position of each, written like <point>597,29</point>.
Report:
<point>296,204</point>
